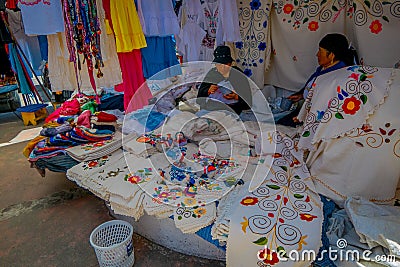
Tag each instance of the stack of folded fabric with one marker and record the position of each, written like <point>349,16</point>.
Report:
<point>104,121</point>
<point>93,174</point>
<point>86,135</point>
<point>99,149</point>
<point>192,219</point>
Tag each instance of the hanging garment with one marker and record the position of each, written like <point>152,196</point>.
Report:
<point>127,29</point>
<point>42,17</point>
<point>157,17</point>
<point>61,71</point>
<point>136,92</point>
<point>191,34</point>
<point>228,23</point>
<point>159,58</point>
<point>210,23</point>
<point>28,44</point>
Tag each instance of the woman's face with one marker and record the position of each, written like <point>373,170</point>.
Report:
<point>324,57</point>
<point>223,68</point>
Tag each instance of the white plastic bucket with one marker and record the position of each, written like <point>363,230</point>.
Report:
<point>112,242</point>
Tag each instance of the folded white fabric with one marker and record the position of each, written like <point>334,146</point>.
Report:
<point>192,219</point>
<point>97,150</point>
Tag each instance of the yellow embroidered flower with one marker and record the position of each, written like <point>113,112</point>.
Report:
<point>200,211</point>
<point>189,201</point>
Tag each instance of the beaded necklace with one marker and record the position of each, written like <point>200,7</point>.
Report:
<point>82,31</point>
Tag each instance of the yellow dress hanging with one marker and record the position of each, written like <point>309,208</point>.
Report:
<point>127,28</point>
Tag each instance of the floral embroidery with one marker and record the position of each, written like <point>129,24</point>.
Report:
<point>253,19</point>
<point>194,212</point>
<point>366,135</point>
<point>140,176</point>
<point>313,26</point>
<point>376,26</point>
<point>351,105</point>
<point>88,165</point>
<point>288,8</point>
<point>92,146</point>
<point>298,13</point>
<point>307,217</point>
<point>249,201</point>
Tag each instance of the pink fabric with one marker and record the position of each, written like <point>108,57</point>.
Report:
<point>132,75</point>
<point>70,107</point>
<point>84,119</point>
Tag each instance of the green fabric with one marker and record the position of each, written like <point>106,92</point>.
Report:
<point>92,106</point>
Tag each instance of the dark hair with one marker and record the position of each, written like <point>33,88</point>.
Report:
<point>337,44</point>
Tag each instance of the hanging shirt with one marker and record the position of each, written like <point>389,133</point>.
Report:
<point>42,17</point>
<point>157,17</point>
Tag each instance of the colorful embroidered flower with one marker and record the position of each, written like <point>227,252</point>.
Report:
<point>313,26</point>
<point>376,26</point>
<point>249,201</point>
<point>190,201</point>
<point>239,45</point>
<point>163,195</point>
<point>268,257</point>
<point>262,46</point>
<point>200,211</point>
<point>92,164</point>
<point>351,105</point>
<point>248,72</point>
<point>307,217</point>
<point>255,4</point>
<point>288,8</point>
<point>134,179</point>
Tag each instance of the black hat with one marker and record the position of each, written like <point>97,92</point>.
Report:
<point>222,54</point>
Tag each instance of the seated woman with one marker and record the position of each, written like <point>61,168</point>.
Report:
<point>225,86</point>
<point>333,54</point>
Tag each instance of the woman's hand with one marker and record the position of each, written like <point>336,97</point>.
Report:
<point>231,96</point>
<point>295,97</point>
<point>213,88</point>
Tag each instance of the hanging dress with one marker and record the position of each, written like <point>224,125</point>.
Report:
<point>127,28</point>
<point>61,71</point>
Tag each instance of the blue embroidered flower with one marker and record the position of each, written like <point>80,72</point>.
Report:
<point>239,45</point>
<point>248,72</point>
<point>261,60</point>
<point>255,4</point>
<point>262,46</point>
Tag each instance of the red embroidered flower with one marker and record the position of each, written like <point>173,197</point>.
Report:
<point>249,201</point>
<point>351,105</point>
<point>99,144</point>
<point>134,179</point>
<point>267,256</point>
<point>288,8</point>
<point>164,195</point>
<point>313,26</point>
<point>92,164</point>
<point>307,217</point>
<point>366,128</point>
<point>376,26</point>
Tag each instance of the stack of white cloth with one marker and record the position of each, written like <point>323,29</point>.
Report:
<point>97,150</point>
<point>191,219</point>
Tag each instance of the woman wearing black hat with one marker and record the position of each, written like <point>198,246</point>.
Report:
<point>225,86</point>
<point>333,53</point>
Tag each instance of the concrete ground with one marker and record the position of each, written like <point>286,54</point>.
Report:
<point>48,221</point>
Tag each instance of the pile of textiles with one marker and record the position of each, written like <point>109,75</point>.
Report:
<point>77,123</point>
<point>91,151</point>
